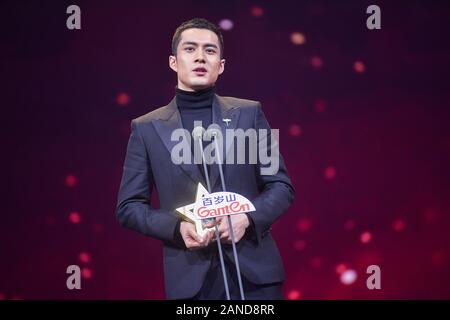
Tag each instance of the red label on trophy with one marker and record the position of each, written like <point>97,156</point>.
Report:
<point>208,206</point>
<point>219,204</point>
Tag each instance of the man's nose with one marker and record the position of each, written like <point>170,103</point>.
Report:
<point>199,57</point>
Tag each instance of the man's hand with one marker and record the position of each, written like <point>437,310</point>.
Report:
<point>239,221</point>
<point>191,238</point>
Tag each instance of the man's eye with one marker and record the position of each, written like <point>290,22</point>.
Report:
<point>189,49</point>
<point>211,51</point>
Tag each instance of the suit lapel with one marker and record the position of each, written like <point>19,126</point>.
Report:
<point>168,122</point>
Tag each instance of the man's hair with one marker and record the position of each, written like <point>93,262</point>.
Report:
<point>198,23</point>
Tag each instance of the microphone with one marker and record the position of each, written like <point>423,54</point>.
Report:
<point>212,132</point>
<point>197,133</point>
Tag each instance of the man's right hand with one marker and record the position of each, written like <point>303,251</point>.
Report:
<point>192,239</point>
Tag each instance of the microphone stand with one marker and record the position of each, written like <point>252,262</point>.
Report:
<point>230,226</point>
<point>198,134</point>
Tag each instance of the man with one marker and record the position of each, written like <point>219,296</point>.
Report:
<point>191,267</point>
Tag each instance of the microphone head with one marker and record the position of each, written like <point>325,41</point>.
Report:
<point>197,133</point>
<point>212,132</point>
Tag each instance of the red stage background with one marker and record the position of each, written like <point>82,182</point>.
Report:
<point>364,129</point>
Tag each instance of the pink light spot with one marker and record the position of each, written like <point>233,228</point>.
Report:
<point>359,67</point>
<point>84,257</point>
<point>316,62</point>
<point>348,277</point>
<point>330,173</point>
<point>71,180</point>
<point>349,224</point>
<point>122,99</point>
<point>226,24</point>
<point>74,217</point>
<point>2,296</point>
<point>320,105</point>
<point>295,130</point>
<point>398,225</point>
<point>300,245</point>
<point>86,273</point>
<point>256,11</point>
<point>294,295</point>
<point>298,38</point>
<point>366,237</point>
<point>341,268</point>
<point>304,224</point>
<point>316,262</point>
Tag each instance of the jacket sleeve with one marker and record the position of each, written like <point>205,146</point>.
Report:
<point>134,210</point>
<point>277,192</point>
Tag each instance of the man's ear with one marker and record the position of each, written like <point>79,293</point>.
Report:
<point>222,66</point>
<point>173,63</point>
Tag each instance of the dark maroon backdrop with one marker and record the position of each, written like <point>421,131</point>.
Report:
<point>364,129</point>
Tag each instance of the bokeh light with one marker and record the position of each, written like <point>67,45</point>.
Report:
<point>399,225</point>
<point>71,180</point>
<point>359,67</point>
<point>84,257</point>
<point>366,237</point>
<point>330,172</point>
<point>295,130</point>
<point>348,277</point>
<point>294,295</point>
<point>122,99</point>
<point>256,11</point>
<point>304,224</point>
<point>74,217</point>
<point>316,62</point>
<point>300,245</point>
<point>298,38</point>
<point>86,273</point>
<point>226,24</point>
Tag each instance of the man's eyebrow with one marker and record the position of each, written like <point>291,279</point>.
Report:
<point>196,44</point>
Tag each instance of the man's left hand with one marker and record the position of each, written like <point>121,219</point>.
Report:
<point>240,223</point>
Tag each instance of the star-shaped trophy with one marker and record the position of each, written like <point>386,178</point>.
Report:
<point>210,206</point>
<point>187,212</point>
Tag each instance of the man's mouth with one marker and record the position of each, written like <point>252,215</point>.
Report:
<point>200,71</point>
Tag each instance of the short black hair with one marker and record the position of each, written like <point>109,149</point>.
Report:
<point>198,23</point>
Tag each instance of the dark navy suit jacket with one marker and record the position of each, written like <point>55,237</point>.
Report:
<point>148,164</point>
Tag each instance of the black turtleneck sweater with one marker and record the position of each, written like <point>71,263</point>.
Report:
<point>195,106</point>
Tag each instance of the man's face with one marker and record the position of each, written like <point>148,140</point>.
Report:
<point>198,63</point>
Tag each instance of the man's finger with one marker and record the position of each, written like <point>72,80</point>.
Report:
<point>207,239</point>
<point>191,244</point>
<point>223,227</point>
<point>214,236</point>
<point>195,236</point>
<point>211,224</point>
